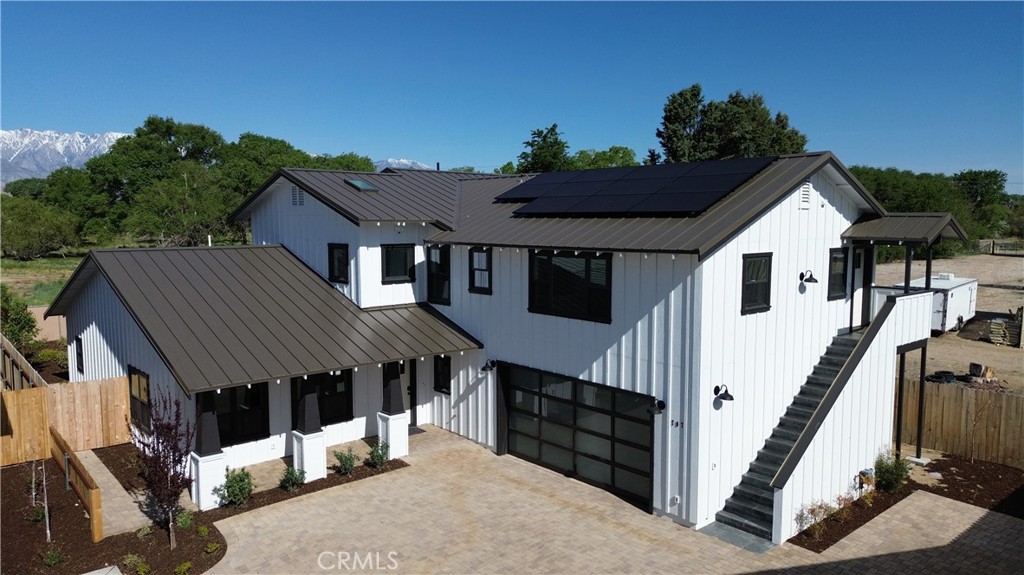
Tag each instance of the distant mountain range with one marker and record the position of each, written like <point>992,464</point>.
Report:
<point>34,154</point>
<point>31,153</point>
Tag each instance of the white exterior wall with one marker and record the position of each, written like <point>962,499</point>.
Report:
<point>372,291</point>
<point>764,357</point>
<point>470,409</point>
<point>642,350</point>
<point>860,424</point>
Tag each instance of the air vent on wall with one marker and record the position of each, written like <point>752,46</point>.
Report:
<point>805,196</point>
<point>298,196</point>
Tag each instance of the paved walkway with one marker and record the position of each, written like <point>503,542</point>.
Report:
<point>461,509</point>
<point>121,510</point>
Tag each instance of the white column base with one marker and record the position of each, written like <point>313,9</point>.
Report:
<point>395,430</point>
<point>207,473</point>
<point>309,453</point>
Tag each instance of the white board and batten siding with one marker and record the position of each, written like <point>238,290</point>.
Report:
<point>643,350</point>
<point>860,424</point>
<point>307,227</point>
<point>763,357</point>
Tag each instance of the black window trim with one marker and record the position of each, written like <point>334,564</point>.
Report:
<point>755,307</point>
<point>143,405</point>
<point>443,384</point>
<point>435,275</point>
<point>488,269</point>
<point>837,295</point>
<point>319,381</point>
<point>533,305</point>
<point>79,355</point>
<point>408,279</point>
<point>334,275</point>
<point>206,401</point>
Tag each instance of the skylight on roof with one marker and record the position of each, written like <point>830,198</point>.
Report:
<point>362,185</point>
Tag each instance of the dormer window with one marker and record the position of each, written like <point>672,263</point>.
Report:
<point>362,185</point>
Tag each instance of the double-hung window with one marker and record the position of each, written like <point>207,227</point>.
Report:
<point>837,263</point>
<point>138,387</point>
<point>480,270</point>
<point>439,274</point>
<point>573,285</point>
<point>757,283</point>
<point>333,396</point>
<point>337,263</point>
<point>398,265</point>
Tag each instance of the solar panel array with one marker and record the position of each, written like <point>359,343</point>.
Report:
<point>663,190</point>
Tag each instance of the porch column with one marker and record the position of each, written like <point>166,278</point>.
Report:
<point>899,404</point>
<point>309,448</point>
<point>928,270</point>
<point>906,270</point>
<point>920,400</point>
<point>393,421</point>
<point>207,461</point>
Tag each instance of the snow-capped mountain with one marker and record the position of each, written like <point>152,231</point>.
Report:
<point>34,154</point>
<point>401,164</point>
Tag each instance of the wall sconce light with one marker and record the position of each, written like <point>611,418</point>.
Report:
<point>489,366</point>
<point>808,277</point>
<point>657,407</point>
<point>722,393</point>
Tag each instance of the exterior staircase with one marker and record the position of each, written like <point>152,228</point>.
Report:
<point>751,506</point>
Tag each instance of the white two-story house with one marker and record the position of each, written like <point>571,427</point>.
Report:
<point>700,339</point>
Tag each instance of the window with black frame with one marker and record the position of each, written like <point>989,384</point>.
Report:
<point>443,374</point>
<point>837,263</point>
<point>757,277</point>
<point>138,390</point>
<point>572,285</point>
<point>337,263</point>
<point>480,270</point>
<point>242,412</point>
<point>333,393</point>
<point>398,264</point>
<point>439,274</point>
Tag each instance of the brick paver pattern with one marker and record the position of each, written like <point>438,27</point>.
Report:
<point>460,509</point>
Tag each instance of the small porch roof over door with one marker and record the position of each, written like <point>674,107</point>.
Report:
<point>905,228</point>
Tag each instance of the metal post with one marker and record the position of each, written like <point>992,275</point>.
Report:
<point>899,404</point>
<point>906,271</point>
<point>928,270</point>
<point>920,400</point>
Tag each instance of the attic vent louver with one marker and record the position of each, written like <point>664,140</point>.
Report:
<point>362,185</point>
<point>298,196</point>
<point>805,196</point>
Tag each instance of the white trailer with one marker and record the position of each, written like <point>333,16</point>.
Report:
<point>955,300</point>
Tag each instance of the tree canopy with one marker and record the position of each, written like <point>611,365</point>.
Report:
<point>546,151</point>
<point>693,129</point>
<point>32,229</point>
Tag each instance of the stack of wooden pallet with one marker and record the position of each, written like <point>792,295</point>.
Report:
<point>1007,332</point>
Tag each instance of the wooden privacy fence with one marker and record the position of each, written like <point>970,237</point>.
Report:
<point>15,370</point>
<point>88,415</point>
<point>986,425</point>
<point>78,478</point>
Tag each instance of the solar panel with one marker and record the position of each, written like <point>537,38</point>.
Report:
<point>662,190</point>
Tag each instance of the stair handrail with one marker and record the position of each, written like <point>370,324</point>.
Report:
<point>832,395</point>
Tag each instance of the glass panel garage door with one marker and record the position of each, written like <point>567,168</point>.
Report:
<point>595,433</point>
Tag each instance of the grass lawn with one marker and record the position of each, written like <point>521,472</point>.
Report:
<point>38,281</point>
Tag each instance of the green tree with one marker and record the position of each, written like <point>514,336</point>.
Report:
<point>16,322</point>
<point>985,192</point>
<point>72,189</point>
<point>693,129</point>
<point>653,157</point>
<point>31,188</point>
<point>546,151</point>
<point>32,229</point>
<point>183,208</point>
<point>613,157</point>
<point>506,168</point>
<point>464,169</point>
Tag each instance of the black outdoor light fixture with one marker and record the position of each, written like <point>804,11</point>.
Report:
<point>657,407</point>
<point>489,366</point>
<point>807,277</point>
<point>722,392</point>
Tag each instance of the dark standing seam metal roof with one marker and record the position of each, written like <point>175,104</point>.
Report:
<point>483,222</point>
<point>906,228</point>
<point>404,195</point>
<point>226,316</point>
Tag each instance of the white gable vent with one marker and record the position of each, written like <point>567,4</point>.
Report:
<point>805,196</point>
<point>298,196</point>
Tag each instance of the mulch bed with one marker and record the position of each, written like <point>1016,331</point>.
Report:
<point>24,541</point>
<point>987,485</point>
<point>51,371</point>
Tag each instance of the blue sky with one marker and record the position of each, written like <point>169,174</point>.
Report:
<point>935,87</point>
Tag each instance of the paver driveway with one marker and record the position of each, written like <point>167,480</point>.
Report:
<point>461,509</point>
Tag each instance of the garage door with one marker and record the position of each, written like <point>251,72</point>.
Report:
<point>598,434</point>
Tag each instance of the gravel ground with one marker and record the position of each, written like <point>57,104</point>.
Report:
<point>1000,289</point>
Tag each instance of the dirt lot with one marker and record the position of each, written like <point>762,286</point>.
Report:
<point>1000,289</point>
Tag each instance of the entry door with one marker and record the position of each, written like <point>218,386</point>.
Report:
<point>409,398</point>
<point>860,301</point>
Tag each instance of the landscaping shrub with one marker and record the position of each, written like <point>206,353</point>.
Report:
<point>142,569</point>
<point>131,561</point>
<point>212,547</point>
<point>183,568</point>
<point>890,471</point>
<point>237,488</point>
<point>143,532</point>
<point>56,356</point>
<point>184,519</point>
<point>346,461</point>
<point>378,455</point>
<point>38,514</point>
<point>52,556</point>
<point>292,478</point>
<point>811,518</point>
